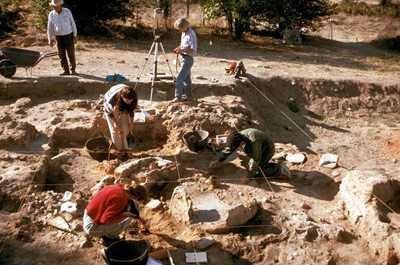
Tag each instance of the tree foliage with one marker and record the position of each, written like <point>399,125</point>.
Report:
<point>90,15</point>
<point>297,13</point>
<point>8,15</point>
<point>285,13</point>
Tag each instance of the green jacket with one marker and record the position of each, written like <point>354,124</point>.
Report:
<point>259,147</point>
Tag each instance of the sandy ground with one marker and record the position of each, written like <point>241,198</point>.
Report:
<point>348,98</point>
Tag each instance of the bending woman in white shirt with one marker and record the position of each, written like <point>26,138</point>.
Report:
<point>120,102</point>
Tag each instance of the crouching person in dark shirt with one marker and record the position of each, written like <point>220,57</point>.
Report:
<point>260,148</point>
<point>111,210</point>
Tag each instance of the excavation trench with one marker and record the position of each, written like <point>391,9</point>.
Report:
<point>45,138</point>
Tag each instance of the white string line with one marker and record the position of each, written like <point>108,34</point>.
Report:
<point>270,101</point>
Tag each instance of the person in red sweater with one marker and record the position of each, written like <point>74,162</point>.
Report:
<point>111,211</point>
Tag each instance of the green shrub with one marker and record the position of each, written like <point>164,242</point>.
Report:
<point>353,7</point>
<point>41,9</point>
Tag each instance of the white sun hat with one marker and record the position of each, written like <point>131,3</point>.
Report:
<point>56,2</point>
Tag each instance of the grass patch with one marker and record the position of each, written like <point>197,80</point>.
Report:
<point>79,47</point>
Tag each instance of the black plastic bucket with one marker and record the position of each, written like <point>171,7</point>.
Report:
<point>98,146</point>
<point>126,253</point>
<point>196,140</point>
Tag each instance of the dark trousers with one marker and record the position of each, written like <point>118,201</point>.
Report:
<point>65,44</point>
<point>269,168</point>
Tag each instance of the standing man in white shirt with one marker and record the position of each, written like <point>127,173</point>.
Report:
<point>62,24</point>
<point>187,50</point>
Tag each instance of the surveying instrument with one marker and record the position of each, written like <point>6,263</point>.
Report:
<point>158,16</point>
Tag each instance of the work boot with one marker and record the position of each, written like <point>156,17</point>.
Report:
<point>284,170</point>
<point>107,241</point>
<point>175,100</point>
<point>65,73</point>
<point>73,72</point>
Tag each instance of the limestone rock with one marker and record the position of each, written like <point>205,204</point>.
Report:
<point>87,243</point>
<point>241,214</point>
<point>204,242</point>
<point>64,157</point>
<point>357,196</point>
<point>126,169</point>
<point>328,160</point>
<point>296,158</point>
<point>154,204</point>
<point>181,205</point>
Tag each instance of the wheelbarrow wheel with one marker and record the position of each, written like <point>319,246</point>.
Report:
<point>7,68</point>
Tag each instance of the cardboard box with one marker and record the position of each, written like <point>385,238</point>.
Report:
<point>162,255</point>
<point>220,141</point>
<point>146,116</point>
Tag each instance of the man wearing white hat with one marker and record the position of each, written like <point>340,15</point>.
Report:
<point>62,24</point>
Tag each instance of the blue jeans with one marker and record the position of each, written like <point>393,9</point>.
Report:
<point>184,80</point>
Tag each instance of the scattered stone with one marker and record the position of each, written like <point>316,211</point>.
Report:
<point>125,170</point>
<point>69,207</point>
<point>328,160</point>
<point>19,111</point>
<point>335,173</point>
<point>305,206</point>
<point>59,223</point>
<point>67,196</point>
<point>154,204</point>
<point>296,158</point>
<point>241,214</point>
<point>240,193</point>
<point>215,119</point>
<point>172,108</point>
<point>394,160</point>
<point>64,157</point>
<point>77,227</point>
<point>86,243</point>
<point>23,102</point>
<point>279,155</point>
<point>204,242</point>
<point>163,162</point>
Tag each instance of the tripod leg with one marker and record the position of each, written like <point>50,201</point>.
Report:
<point>162,48</point>
<point>145,62</point>
<point>154,73</point>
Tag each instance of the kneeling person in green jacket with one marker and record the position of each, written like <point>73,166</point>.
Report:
<point>260,148</point>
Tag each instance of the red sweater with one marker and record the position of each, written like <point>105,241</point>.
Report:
<point>107,205</point>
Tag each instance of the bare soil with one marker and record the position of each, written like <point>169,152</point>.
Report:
<point>338,96</point>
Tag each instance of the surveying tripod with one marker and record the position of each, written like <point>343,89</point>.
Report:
<point>156,44</point>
